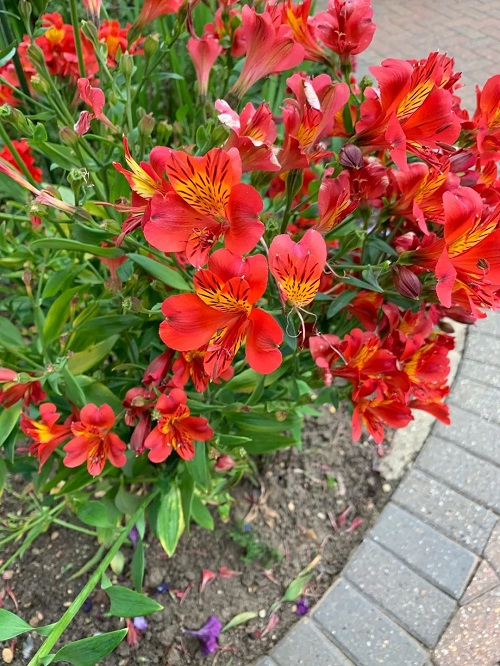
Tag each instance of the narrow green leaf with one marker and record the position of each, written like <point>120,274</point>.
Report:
<point>58,315</point>
<point>170,520</point>
<point>82,361</point>
<point>201,515</point>
<point>296,587</point>
<point>73,390</point>
<point>241,618</point>
<point>340,302</point>
<point>90,651</point>
<point>137,566</point>
<point>11,625</point>
<point>8,420</point>
<point>162,273</point>
<point>127,603</point>
<point>74,246</point>
<point>3,475</point>
<point>263,443</point>
<point>9,335</point>
<point>198,466</point>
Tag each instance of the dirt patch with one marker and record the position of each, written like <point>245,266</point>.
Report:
<point>294,511</point>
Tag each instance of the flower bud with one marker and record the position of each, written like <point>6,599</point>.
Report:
<point>90,32</point>
<point>39,84</point>
<point>462,161</point>
<point>126,65</point>
<point>224,463</point>
<point>68,136</point>
<point>150,46</point>
<point>163,133</point>
<point>25,10</point>
<point>36,56</point>
<point>16,118</point>
<point>351,156</point>
<point>407,283</point>
<point>146,124</point>
<point>77,177</point>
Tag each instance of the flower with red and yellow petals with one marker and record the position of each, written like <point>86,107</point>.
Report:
<point>221,314</point>
<point>346,27</point>
<point>208,202</point>
<point>298,267</point>
<point>334,202</point>
<point>25,154</point>
<point>190,365</point>
<point>93,442</point>
<point>204,52</point>
<point>47,435</point>
<point>11,391</point>
<point>176,428</point>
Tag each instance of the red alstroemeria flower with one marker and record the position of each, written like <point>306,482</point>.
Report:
<point>12,390</point>
<point>253,133</point>
<point>190,365</point>
<point>334,202</point>
<point>93,97</point>
<point>176,428</point>
<point>93,442</point>
<point>411,112</point>
<point>303,28</point>
<point>270,49</point>
<point>139,403</point>
<point>153,9</point>
<point>47,435</point>
<point>26,155</point>
<point>158,368</point>
<point>204,52</point>
<point>374,409</point>
<point>347,27</point>
<point>487,119</point>
<point>93,8</point>
<point>222,314</point>
<point>116,39</point>
<point>208,202</point>
<point>298,267</point>
<point>309,118</point>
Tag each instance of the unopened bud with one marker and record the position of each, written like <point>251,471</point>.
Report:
<point>27,277</point>
<point>77,177</point>
<point>16,118</point>
<point>90,31</point>
<point>163,133</point>
<point>407,283</point>
<point>131,304</point>
<point>446,327</point>
<point>25,10</point>
<point>39,84</point>
<point>150,46</point>
<point>68,136</point>
<point>126,65</point>
<point>462,161</point>
<point>36,56</point>
<point>351,156</point>
<point>146,124</point>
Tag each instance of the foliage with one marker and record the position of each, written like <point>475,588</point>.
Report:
<point>256,551</point>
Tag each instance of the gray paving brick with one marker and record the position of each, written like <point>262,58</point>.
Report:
<point>412,601</point>
<point>483,348</point>
<point>476,397</point>
<point>427,551</point>
<point>365,633</point>
<point>266,661</point>
<point>490,325</point>
<point>306,644</point>
<point>471,432</point>
<point>478,371</point>
<point>449,512</point>
<point>463,471</point>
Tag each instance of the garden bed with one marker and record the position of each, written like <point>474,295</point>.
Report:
<point>301,497</point>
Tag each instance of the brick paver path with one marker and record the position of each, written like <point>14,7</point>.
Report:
<point>424,586</point>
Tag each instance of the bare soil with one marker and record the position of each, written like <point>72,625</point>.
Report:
<point>297,507</point>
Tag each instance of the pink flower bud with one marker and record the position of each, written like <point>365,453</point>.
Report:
<point>407,283</point>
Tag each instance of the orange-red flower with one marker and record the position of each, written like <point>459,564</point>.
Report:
<point>204,52</point>
<point>303,28</point>
<point>270,48</point>
<point>487,119</point>
<point>190,365</point>
<point>375,408</point>
<point>334,202</point>
<point>93,97</point>
<point>47,435</point>
<point>208,202</point>
<point>411,112</point>
<point>93,442</point>
<point>153,9</point>
<point>298,267</point>
<point>12,390</point>
<point>176,428</point>
<point>116,39</point>
<point>222,315</point>
<point>26,155</point>
<point>346,27</point>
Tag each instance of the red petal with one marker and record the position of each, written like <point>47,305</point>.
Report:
<point>245,228</point>
<point>264,335</point>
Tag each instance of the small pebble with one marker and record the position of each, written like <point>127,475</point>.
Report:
<point>291,506</point>
<point>34,621</point>
<point>321,515</point>
<point>7,655</point>
<point>54,536</point>
<point>67,604</point>
<point>387,487</point>
<point>262,613</point>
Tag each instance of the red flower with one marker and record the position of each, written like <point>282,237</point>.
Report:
<point>139,403</point>
<point>208,202</point>
<point>412,111</point>
<point>190,365</point>
<point>47,435</point>
<point>12,391</point>
<point>158,369</point>
<point>221,313</point>
<point>487,118</point>
<point>176,428</point>
<point>252,133</point>
<point>347,27</point>
<point>93,442</point>
<point>93,97</point>
<point>298,267</point>
<point>334,202</point>
<point>270,48</point>
<point>116,39</point>
<point>153,9</point>
<point>204,52</point>
<point>303,28</point>
<point>93,8</point>
<point>26,155</point>
<point>374,409</point>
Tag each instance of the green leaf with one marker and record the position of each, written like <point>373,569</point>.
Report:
<point>74,246</point>
<point>82,361</point>
<point>8,421</point>
<point>170,521</point>
<point>137,566</point>
<point>9,335</point>
<point>127,603</point>
<point>241,618</point>
<point>201,515</point>
<point>58,314</point>
<point>100,513</point>
<point>99,394</point>
<point>186,486</point>
<point>340,302</point>
<point>350,279</point>
<point>73,390</point>
<point>3,475</point>
<point>268,443</point>
<point>11,625</point>
<point>162,273</point>
<point>296,587</point>
<point>90,651</point>
<point>232,441</point>
<point>198,466</point>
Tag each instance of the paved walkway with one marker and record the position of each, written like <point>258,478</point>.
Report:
<point>424,586</point>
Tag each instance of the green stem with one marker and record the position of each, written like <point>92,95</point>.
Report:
<point>76,528</point>
<point>68,616</point>
<point>360,267</point>
<point>78,38</point>
<point>19,160</point>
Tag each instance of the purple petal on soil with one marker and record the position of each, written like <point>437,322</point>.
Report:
<point>248,527</point>
<point>302,606</point>
<point>87,605</point>
<point>208,635</point>
<point>161,588</point>
<point>133,535</point>
<point>140,623</point>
